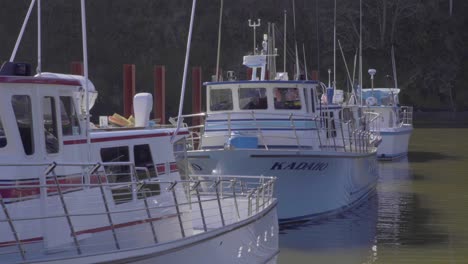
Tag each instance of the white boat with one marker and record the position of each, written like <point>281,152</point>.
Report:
<point>72,193</point>
<point>395,122</point>
<point>323,157</point>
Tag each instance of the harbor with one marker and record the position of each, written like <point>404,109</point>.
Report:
<point>296,132</point>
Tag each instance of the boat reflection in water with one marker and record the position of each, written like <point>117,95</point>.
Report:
<point>347,238</point>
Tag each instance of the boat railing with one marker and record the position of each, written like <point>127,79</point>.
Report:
<point>111,194</point>
<point>301,131</point>
<point>406,115</point>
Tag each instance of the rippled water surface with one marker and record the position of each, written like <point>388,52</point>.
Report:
<point>418,215</point>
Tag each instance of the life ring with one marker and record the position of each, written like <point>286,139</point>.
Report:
<point>371,101</point>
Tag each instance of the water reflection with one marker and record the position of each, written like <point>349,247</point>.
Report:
<point>346,238</point>
<point>403,218</point>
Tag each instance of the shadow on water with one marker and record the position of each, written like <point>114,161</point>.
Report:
<point>426,156</point>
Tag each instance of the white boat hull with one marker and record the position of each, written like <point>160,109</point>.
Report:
<point>394,143</point>
<point>254,240</point>
<point>310,184</point>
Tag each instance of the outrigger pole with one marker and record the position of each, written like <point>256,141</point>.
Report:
<point>184,77</point>
<point>23,27</point>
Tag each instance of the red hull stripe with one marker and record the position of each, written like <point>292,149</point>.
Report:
<point>120,138</point>
<point>92,231</point>
<point>161,167</point>
<point>174,167</point>
<point>16,192</point>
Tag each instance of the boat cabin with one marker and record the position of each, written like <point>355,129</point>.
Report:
<point>43,120</point>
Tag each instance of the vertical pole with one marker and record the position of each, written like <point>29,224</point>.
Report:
<point>196,96</point>
<point>219,39</point>
<point>160,93</point>
<point>128,88</point>
<point>76,68</point>
<point>39,39</point>
<point>284,43</point>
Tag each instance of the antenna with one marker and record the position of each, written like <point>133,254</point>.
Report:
<point>254,26</point>
<point>329,74</point>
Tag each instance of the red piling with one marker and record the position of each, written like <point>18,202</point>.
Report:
<point>76,68</point>
<point>128,88</point>
<point>159,106</point>
<point>314,75</point>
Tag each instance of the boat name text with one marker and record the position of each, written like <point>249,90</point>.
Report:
<point>313,166</point>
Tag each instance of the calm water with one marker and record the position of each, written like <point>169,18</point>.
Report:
<point>418,215</point>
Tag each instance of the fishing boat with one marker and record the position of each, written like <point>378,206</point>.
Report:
<point>395,122</point>
<point>74,192</point>
<point>322,153</point>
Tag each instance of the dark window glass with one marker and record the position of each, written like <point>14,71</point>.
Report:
<point>23,114</point>
<point>118,174</point>
<point>3,139</point>
<point>287,98</point>
<point>50,125</point>
<point>145,168</point>
<point>312,99</point>
<point>70,124</point>
<point>252,98</point>
<point>220,99</point>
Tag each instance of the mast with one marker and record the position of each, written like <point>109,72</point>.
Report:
<point>85,69</point>
<point>334,48</point>
<point>284,43</point>
<point>305,62</point>
<point>184,77</point>
<point>394,68</point>
<point>360,48</point>
<point>219,39</point>
<point>39,40</point>
<point>295,41</point>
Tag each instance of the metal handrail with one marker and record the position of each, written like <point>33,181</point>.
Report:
<point>230,188</point>
<point>340,136</point>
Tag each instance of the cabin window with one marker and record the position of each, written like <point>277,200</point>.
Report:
<point>180,155</point>
<point>252,98</point>
<point>287,98</point>
<point>70,124</point>
<point>312,99</point>
<point>50,125</point>
<point>220,99</point>
<point>23,113</point>
<point>3,139</point>
<point>118,173</point>
<point>145,168</point>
